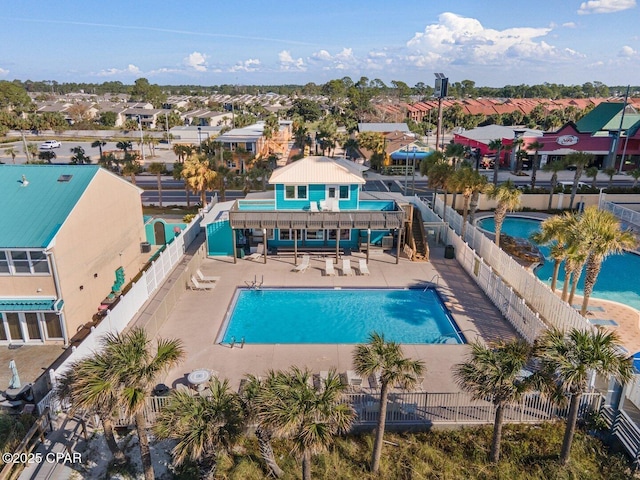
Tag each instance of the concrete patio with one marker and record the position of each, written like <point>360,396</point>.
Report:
<point>198,317</point>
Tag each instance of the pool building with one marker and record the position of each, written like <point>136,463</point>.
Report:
<point>317,204</point>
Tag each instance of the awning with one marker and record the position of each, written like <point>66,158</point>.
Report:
<point>403,155</point>
<point>30,305</point>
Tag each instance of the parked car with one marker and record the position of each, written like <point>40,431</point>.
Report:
<point>50,144</point>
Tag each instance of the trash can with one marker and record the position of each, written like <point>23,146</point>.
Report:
<point>449,252</point>
<point>240,253</point>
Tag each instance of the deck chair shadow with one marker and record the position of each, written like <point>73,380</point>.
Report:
<point>258,254</point>
<point>347,271</point>
<point>206,278</point>
<point>362,266</point>
<point>196,285</point>
<point>303,265</point>
<point>329,271</point>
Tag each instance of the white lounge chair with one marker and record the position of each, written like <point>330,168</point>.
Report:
<point>329,271</point>
<point>303,266</point>
<point>353,379</point>
<point>347,271</point>
<point>313,207</point>
<point>259,253</point>
<point>323,205</point>
<point>206,278</point>
<point>196,285</point>
<point>335,205</point>
<point>362,266</point>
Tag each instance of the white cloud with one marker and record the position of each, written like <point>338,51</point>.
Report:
<point>288,63</point>
<point>605,6</point>
<point>3,72</point>
<point>250,65</point>
<point>342,60</point>
<point>569,25</point>
<point>197,61</point>
<point>131,70</point>
<point>465,41</point>
<point>627,51</point>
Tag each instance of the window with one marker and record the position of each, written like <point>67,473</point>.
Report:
<point>32,326</point>
<point>4,263</point>
<point>344,234</point>
<point>295,192</point>
<point>315,234</point>
<point>288,235</point>
<point>340,191</point>
<point>23,262</point>
<point>52,322</point>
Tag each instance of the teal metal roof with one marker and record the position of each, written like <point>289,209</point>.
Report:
<point>597,118</point>
<point>32,212</point>
<point>30,305</point>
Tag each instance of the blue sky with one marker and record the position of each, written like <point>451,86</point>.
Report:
<point>493,43</point>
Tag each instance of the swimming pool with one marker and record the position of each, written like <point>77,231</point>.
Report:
<point>617,280</point>
<point>290,316</point>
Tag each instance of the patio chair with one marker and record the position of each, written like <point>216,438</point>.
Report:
<point>259,253</point>
<point>196,285</point>
<point>347,271</point>
<point>335,205</point>
<point>206,278</point>
<point>329,271</point>
<point>323,205</point>
<point>304,265</point>
<point>313,207</point>
<point>353,379</point>
<point>362,266</point>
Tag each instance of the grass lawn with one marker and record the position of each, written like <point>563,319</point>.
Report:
<point>528,452</point>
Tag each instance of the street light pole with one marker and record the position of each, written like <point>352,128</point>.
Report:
<point>413,171</point>
<point>406,170</point>
<point>141,138</point>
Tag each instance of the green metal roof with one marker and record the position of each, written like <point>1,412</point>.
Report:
<point>30,305</point>
<point>597,118</point>
<point>32,211</point>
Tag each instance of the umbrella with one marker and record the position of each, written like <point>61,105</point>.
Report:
<point>15,378</point>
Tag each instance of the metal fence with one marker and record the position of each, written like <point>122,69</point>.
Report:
<point>625,214</point>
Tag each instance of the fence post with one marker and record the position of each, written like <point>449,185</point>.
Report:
<point>457,407</point>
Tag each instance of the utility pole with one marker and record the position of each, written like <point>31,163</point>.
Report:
<point>441,89</point>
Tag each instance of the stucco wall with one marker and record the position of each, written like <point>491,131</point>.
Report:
<point>27,286</point>
<point>102,233</point>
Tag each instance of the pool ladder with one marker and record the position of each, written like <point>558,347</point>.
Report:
<point>233,342</point>
<point>436,277</point>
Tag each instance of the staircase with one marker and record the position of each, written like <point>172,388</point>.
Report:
<point>417,238</point>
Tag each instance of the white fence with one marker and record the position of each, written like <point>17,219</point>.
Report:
<point>482,258</point>
<point>128,305</point>
<point>625,214</point>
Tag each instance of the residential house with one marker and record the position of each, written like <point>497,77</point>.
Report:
<point>147,116</point>
<point>69,234</point>
<point>317,204</point>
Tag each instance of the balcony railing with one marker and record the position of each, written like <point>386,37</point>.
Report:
<point>346,219</point>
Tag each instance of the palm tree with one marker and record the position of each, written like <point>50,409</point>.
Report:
<point>610,172</point>
<point>12,152</point>
<point>32,150</point>
<point>508,198</point>
<point>292,408</point>
<point>99,144</point>
<point>553,167</point>
<point>592,173</point>
<point>385,359</point>
<point>124,145</point>
<point>580,160</point>
<point>79,156</point>
<point>131,168</point>
<point>496,145</point>
<point>535,146</point>
<point>495,372</point>
<point>439,174</point>
<point>90,387</point>
<point>554,231</point>
<point>248,396</point>
<point>136,370</point>
<point>568,361</point>
<point>47,155</point>
<point>601,236</point>
<point>201,424</point>
<point>182,151</point>
<point>634,173</point>
<point>157,168</point>
<point>468,181</point>
<point>199,176</point>
<point>454,151</point>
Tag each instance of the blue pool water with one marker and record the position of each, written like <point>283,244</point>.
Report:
<point>338,316</point>
<point>617,281</point>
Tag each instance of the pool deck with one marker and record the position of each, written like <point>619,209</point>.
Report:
<point>198,316</point>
